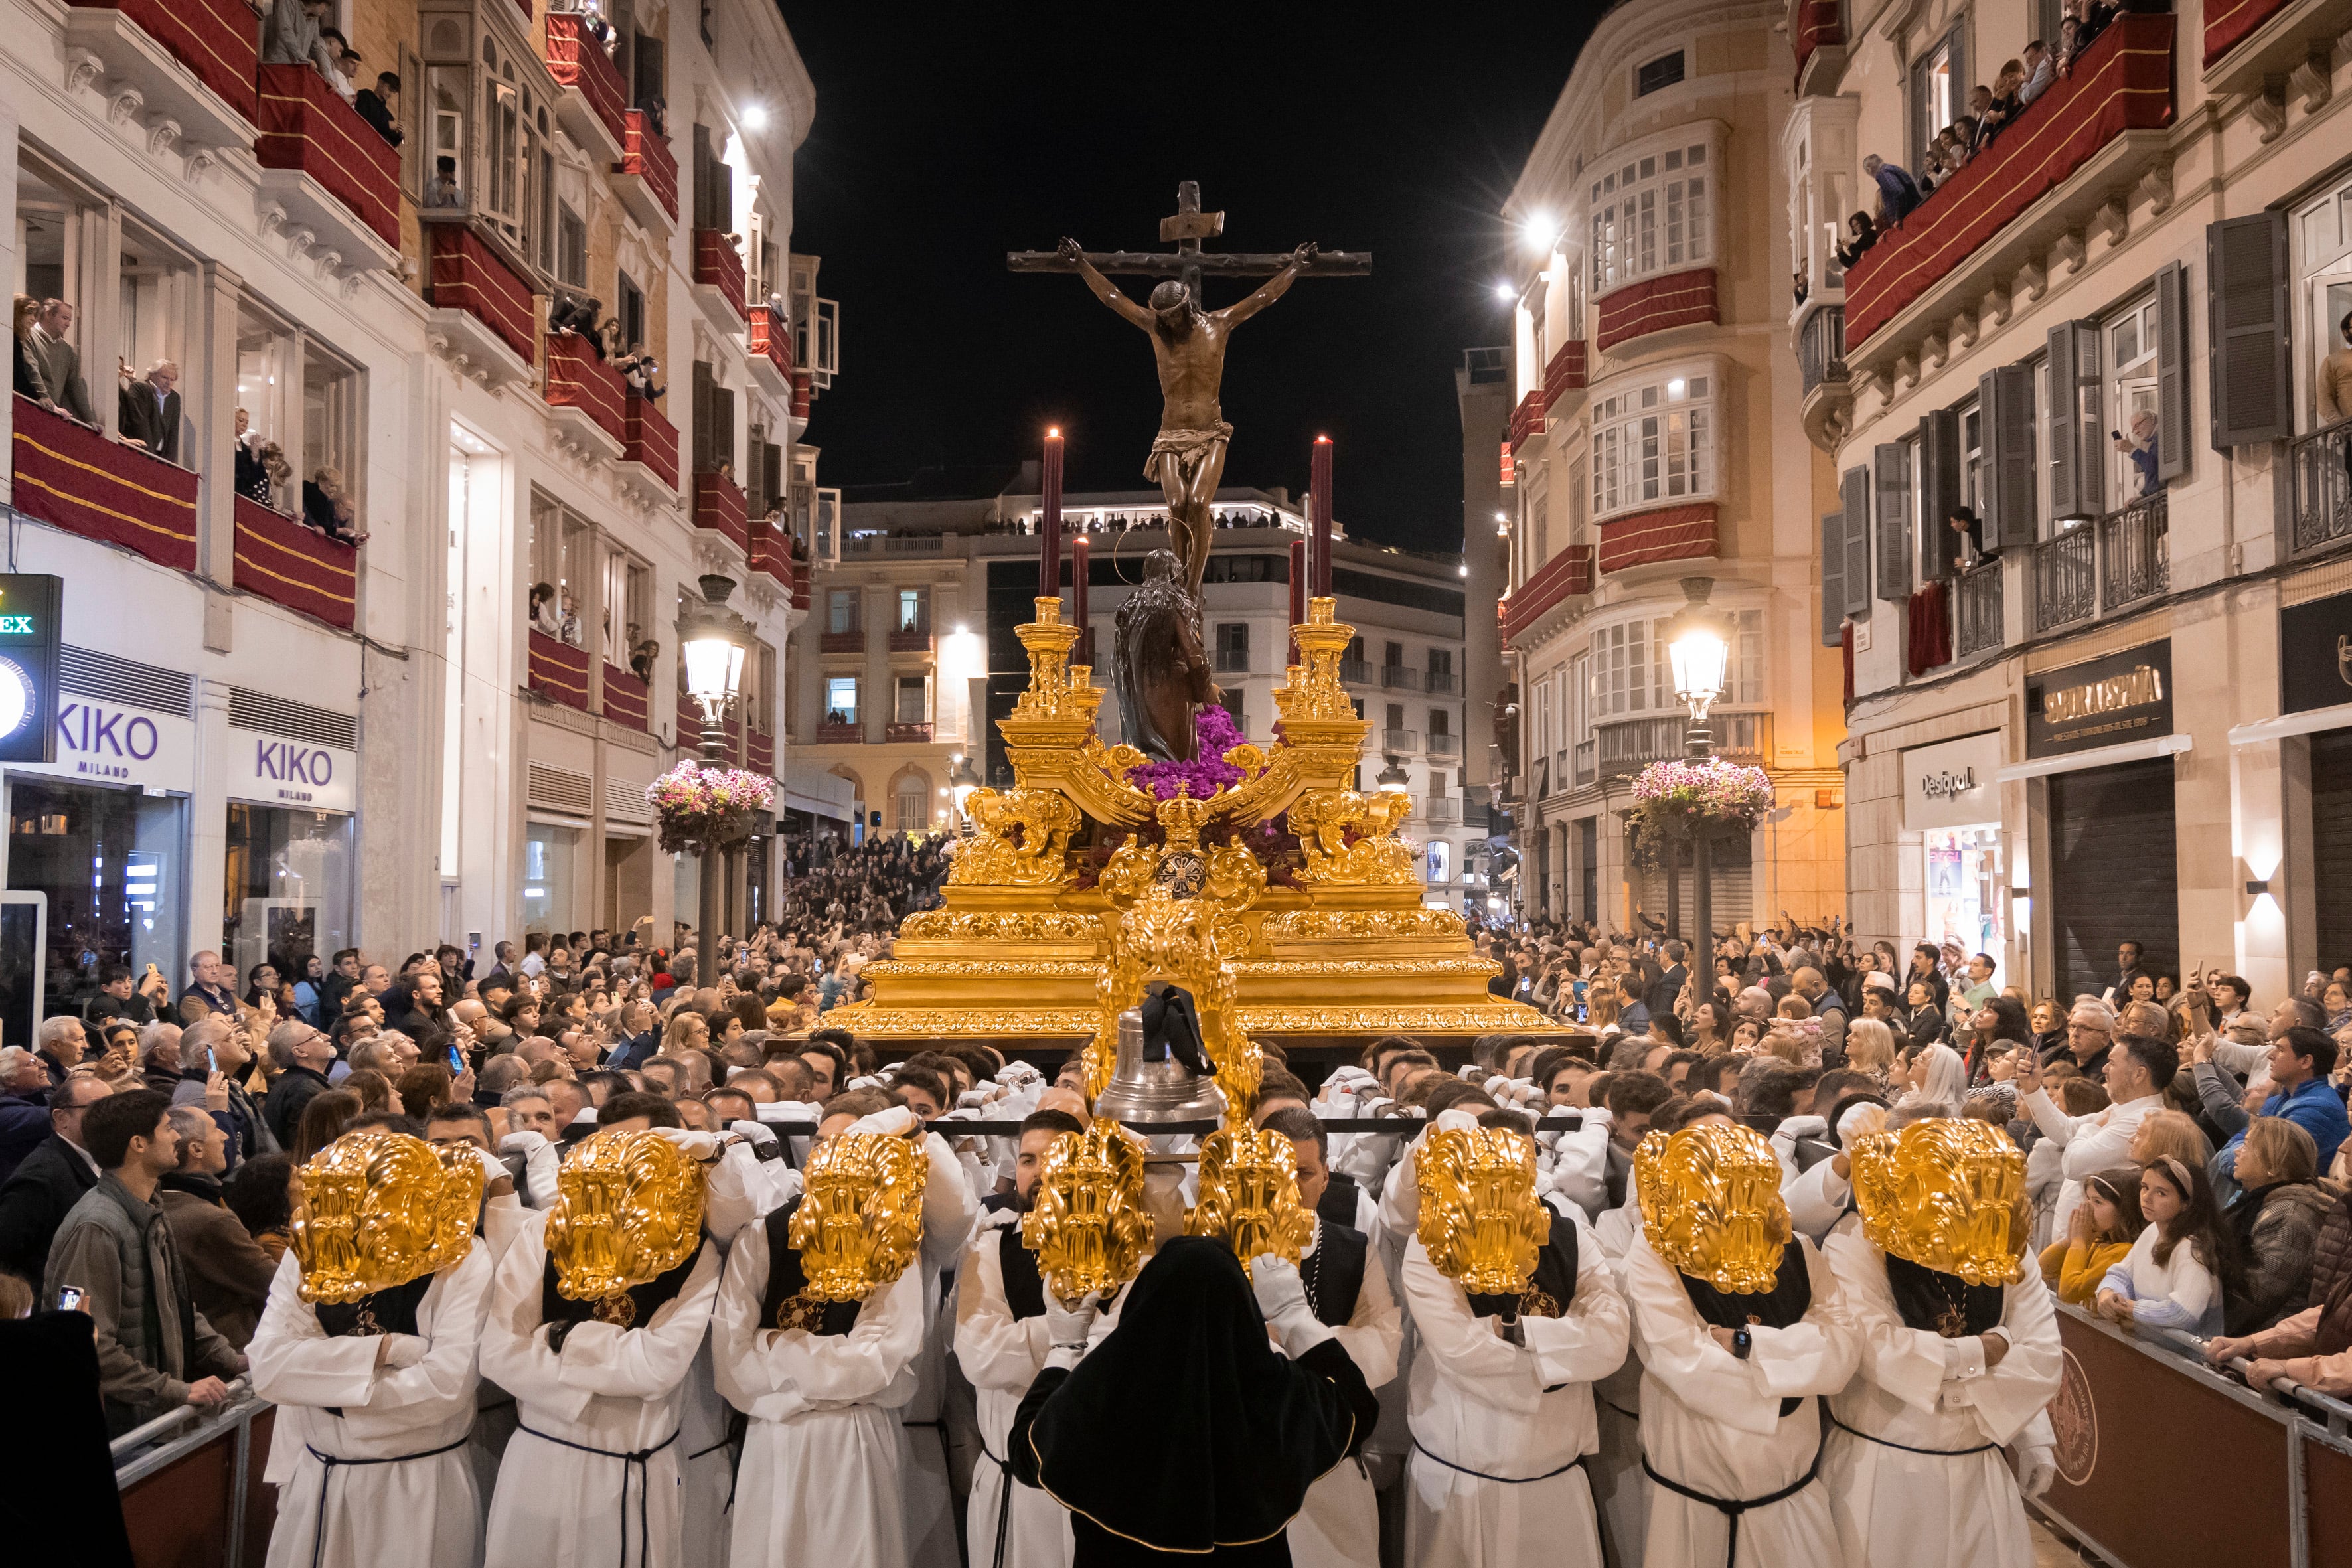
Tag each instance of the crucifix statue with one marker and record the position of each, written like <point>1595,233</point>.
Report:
<point>1188,456</point>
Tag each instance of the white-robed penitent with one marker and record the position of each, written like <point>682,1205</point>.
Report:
<point>1338,1526</point>
<point>370,1461</point>
<point>1619,1487</point>
<point>1914,1468</point>
<point>1711,1423</point>
<point>819,1481</point>
<point>1500,1431</point>
<point>1001,1351</point>
<point>591,1474</point>
<point>949,1210</point>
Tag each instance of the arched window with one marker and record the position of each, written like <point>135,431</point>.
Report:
<point>911,800</point>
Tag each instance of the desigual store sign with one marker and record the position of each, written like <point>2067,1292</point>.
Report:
<point>1951,784</point>
<point>276,770</point>
<point>116,743</point>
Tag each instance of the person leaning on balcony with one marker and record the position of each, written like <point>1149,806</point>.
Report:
<point>2140,447</point>
<point>292,36</point>
<point>1898,192</point>
<point>346,79</point>
<point>1965,523</point>
<point>2335,378</point>
<point>31,382</point>
<point>377,106</point>
<point>147,409</point>
<point>2038,73</point>
<point>1865,234</point>
<point>60,365</point>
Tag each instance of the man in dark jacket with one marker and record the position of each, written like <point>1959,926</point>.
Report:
<point>228,1272</point>
<point>59,1042</point>
<point>121,996</point>
<point>302,1056</point>
<point>208,992</point>
<point>214,1046</point>
<point>155,1350</point>
<point>147,410</point>
<point>24,1107</point>
<point>34,1201</point>
<point>342,979</point>
<point>414,1006</point>
<point>1668,990</point>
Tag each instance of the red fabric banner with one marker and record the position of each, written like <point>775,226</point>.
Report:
<point>646,437</point>
<point>1563,576</point>
<point>1928,640</point>
<point>718,506</point>
<point>717,264</point>
<point>771,335</point>
<point>298,567</point>
<point>467,276</point>
<point>558,672</point>
<point>759,753</point>
<point>1813,24</point>
<point>1565,373</point>
<point>648,156</point>
<point>84,482</point>
<point>1669,533</point>
<point>306,125</point>
<point>769,552</point>
<point>690,723</point>
<point>219,40</point>
<point>576,378</point>
<point>798,571</point>
<point>1527,418</point>
<point>803,386</point>
<point>576,59</point>
<point>2123,83</point>
<point>1674,299</point>
<point>2228,22</point>
<point>624,697</point>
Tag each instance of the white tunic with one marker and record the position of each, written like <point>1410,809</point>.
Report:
<point>1619,1486</point>
<point>1002,1356</point>
<point>1713,1421</point>
<point>1339,1524</point>
<point>1498,1428</point>
<point>1897,1507</point>
<point>615,1391</point>
<point>949,1211</point>
<point>819,1481</point>
<point>420,1512</point>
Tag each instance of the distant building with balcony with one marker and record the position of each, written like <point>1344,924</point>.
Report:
<point>1653,384</point>
<point>910,654</point>
<point>2117,711</point>
<point>362,736</point>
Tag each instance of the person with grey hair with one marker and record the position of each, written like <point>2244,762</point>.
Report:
<point>301,1055</point>
<point>229,1274</point>
<point>500,1074</point>
<point>158,1057</point>
<point>147,409</point>
<point>24,1107</point>
<point>215,1052</point>
<point>59,1042</point>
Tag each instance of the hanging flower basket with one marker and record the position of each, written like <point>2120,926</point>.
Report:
<point>1677,800</point>
<point>698,808</point>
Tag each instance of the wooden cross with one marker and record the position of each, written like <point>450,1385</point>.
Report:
<point>1188,227</point>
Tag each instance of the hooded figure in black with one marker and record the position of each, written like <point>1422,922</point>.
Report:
<point>1185,1432</point>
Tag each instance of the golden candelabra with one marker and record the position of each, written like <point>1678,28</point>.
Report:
<point>1077,888</point>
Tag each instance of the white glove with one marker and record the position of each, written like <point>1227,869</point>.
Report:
<point>870,1083</point>
<point>788,1111</point>
<point>695,1145</point>
<point>1068,1324</point>
<point>756,1134</point>
<point>1457,1120</point>
<point>895,1122</point>
<point>1017,1073</point>
<point>493,1168</point>
<point>523,1142</point>
<point>405,1351</point>
<point>2036,1467</point>
<point>1282,1297</point>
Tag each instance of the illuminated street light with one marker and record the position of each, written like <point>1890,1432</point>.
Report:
<point>1698,646</point>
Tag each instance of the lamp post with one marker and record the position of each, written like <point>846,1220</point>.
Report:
<point>713,639</point>
<point>961,781</point>
<point>1699,647</point>
<point>1392,779</point>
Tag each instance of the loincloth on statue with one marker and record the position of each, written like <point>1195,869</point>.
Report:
<point>1187,447</point>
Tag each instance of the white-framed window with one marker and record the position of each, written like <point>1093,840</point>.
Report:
<point>2322,237</point>
<point>914,700</point>
<point>1651,209</point>
<point>1654,440</point>
<point>1622,677</point>
<point>2131,402</point>
<point>1745,685</point>
<point>841,700</point>
<point>1631,673</point>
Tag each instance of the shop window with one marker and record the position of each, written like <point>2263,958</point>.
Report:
<point>1654,445</point>
<point>841,700</point>
<point>550,859</point>
<point>287,886</point>
<point>913,699</point>
<point>1652,214</point>
<point>113,863</point>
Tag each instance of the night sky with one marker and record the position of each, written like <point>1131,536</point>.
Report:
<point>946,136</point>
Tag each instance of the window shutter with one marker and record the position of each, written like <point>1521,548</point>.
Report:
<point>772,474</point>
<point>1833,579</point>
<point>754,490</point>
<point>2006,397</point>
<point>1940,459</point>
<point>1890,475</point>
<point>2246,268</point>
<point>723,428</point>
<point>704,422</point>
<point>2171,371</point>
<point>702,176</point>
<point>2071,423</point>
<point>1856,490</point>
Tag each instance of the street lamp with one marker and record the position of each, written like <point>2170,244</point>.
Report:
<point>713,639</point>
<point>961,782</point>
<point>1698,646</point>
<point>1392,779</point>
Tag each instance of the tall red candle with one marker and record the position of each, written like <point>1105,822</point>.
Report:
<point>1049,531</point>
<point>1080,548</point>
<point>1297,590</point>
<point>1319,504</point>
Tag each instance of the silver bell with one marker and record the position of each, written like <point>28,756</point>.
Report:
<point>1161,1091</point>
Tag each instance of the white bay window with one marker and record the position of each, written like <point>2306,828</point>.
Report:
<point>1653,439</point>
<point>1651,207</point>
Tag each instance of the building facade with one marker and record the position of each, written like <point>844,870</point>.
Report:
<point>910,656</point>
<point>278,738</point>
<point>2117,711</point>
<point>1648,446</point>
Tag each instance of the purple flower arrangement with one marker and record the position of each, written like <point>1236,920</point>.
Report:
<point>1213,734</point>
<point>1703,796</point>
<point>694,806</point>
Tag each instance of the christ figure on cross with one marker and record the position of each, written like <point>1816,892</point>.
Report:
<point>1188,457</point>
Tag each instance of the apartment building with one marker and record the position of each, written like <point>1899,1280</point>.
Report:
<point>910,656</point>
<point>2117,710</point>
<point>367,735</point>
<point>1648,456</point>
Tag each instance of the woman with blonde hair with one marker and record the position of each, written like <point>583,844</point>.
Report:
<point>1600,1010</point>
<point>2172,1133</point>
<point>1870,1048</point>
<point>1938,1077</point>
